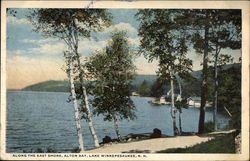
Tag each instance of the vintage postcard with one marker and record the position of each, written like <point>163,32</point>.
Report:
<point>125,80</point>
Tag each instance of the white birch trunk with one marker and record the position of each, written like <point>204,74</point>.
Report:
<point>179,84</point>
<point>85,99</point>
<point>173,110</point>
<point>180,90</point>
<point>89,119</point>
<point>77,114</point>
<point>116,128</point>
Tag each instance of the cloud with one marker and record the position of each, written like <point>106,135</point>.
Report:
<point>122,26</point>
<point>135,42</point>
<point>87,47</point>
<point>50,46</point>
<point>144,67</point>
<point>39,41</point>
<point>43,50</point>
<point>15,52</point>
<point>23,71</point>
<point>17,21</point>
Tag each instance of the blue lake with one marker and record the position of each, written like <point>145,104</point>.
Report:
<point>45,120</point>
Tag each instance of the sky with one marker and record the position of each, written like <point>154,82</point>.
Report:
<point>32,58</point>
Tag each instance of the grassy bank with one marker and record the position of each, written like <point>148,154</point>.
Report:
<point>220,144</point>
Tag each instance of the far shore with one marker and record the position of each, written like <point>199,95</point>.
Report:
<point>145,97</point>
<point>13,90</point>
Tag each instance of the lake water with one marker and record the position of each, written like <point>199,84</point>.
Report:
<point>45,120</point>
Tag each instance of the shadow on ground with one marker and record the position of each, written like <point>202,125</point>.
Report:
<point>137,151</point>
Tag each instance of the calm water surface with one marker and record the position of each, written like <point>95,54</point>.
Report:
<point>45,120</point>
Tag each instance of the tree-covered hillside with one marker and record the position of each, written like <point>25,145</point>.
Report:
<point>63,86</point>
<point>190,88</point>
<point>49,86</point>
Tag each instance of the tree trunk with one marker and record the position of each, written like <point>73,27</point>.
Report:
<point>179,84</point>
<point>215,101</point>
<point>90,122</point>
<point>180,111</point>
<point>116,128</point>
<point>173,109</point>
<point>85,100</point>
<point>180,122</point>
<point>204,83</point>
<point>77,114</point>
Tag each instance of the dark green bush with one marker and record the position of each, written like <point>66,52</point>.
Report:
<point>209,127</point>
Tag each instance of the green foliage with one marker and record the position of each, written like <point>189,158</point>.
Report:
<point>139,78</point>
<point>181,104</point>
<point>210,84</point>
<point>144,89</point>
<point>229,94</point>
<point>112,71</point>
<point>210,31</point>
<point>156,89</point>
<point>209,127</point>
<point>11,11</point>
<point>216,145</point>
<point>70,25</point>
<point>63,86</point>
<point>60,23</point>
<point>164,39</point>
<point>192,87</point>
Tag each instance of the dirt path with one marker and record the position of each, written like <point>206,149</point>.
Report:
<point>158,144</point>
<point>152,145</point>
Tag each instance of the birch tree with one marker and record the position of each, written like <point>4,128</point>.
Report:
<point>70,72</point>
<point>112,70</point>
<point>161,40</point>
<point>69,25</point>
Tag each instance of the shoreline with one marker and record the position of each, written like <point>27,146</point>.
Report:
<point>151,145</point>
<point>156,145</point>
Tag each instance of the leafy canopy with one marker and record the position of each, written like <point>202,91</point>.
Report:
<point>112,70</point>
<point>165,40</point>
<point>60,23</point>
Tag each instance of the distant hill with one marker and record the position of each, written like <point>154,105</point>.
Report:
<point>140,78</point>
<point>64,86</point>
<point>198,73</point>
<point>49,86</point>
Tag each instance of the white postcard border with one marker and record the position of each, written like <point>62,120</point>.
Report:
<point>244,5</point>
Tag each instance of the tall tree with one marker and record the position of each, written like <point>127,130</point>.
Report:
<point>156,89</point>
<point>144,89</point>
<point>210,32</point>
<point>229,93</point>
<point>179,102</point>
<point>201,21</point>
<point>112,71</point>
<point>70,72</point>
<point>226,33</point>
<point>183,69</point>
<point>163,39</point>
<point>70,25</point>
